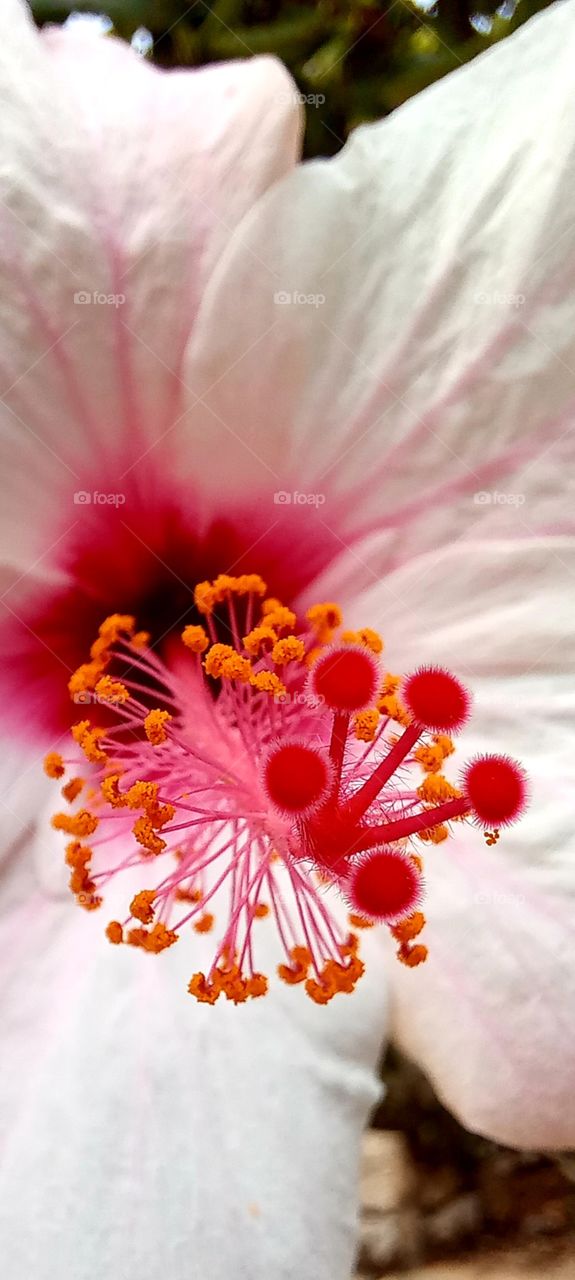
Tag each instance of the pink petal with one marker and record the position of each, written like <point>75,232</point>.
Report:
<point>23,791</point>
<point>146,1135</point>
<point>488,1016</point>
<point>429,355</point>
<point>125,182</point>
<point>143,556</point>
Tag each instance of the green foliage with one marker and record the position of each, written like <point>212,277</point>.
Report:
<point>353,60</point>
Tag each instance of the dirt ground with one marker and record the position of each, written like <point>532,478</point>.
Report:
<point>497,1267</point>
<point>439,1203</point>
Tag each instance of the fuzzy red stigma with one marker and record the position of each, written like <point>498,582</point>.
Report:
<point>436,699</point>
<point>297,777</point>
<point>345,678</point>
<point>496,789</point>
<point>385,886</point>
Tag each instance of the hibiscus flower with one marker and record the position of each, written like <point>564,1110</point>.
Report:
<point>385,336</point>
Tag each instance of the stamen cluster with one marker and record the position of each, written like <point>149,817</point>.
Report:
<point>275,761</point>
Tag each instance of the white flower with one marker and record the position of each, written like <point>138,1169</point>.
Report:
<point>140,1134</point>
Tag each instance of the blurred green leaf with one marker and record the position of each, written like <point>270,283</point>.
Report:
<point>353,60</point>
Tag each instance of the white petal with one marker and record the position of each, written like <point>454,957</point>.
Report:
<point>393,330</point>
<point>488,1015</point>
<point>489,609</point>
<point>23,791</point>
<point>119,186</point>
<point>146,1135</point>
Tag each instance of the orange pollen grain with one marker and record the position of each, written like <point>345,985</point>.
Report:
<point>281,619</point>
<point>116,626</point>
<point>435,789</point>
<point>210,594</point>
<point>298,970</point>
<point>234,667</point>
<point>86,677</point>
<point>112,690</point>
<point>214,660</point>
<point>188,895</point>
<point>251,584</point>
<point>195,638</point>
<point>100,652</point>
<point>205,992</point>
<point>435,835</point>
<point>268,682</point>
<point>324,618</point>
<point>142,795</point>
<point>334,978</point>
<point>205,923</point>
<point>88,736</point>
<point>77,855</point>
<point>204,597</point>
<point>359,922</point>
<point>409,928</point>
<point>365,725</point>
<point>260,638</point>
<point>290,649</point>
<point>110,792</point>
<point>141,906</point>
<point>146,836</point>
<point>82,823</point>
<point>370,639</point>
<point>54,765</point>
<point>155,726</point>
<point>412,956</point>
<point>154,940</point>
<point>365,636</point>
<point>71,790</point>
<point>429,757</point>
<point>257,985</point>
<point>390,705</point>
<point>159,938</point>
<point>159,814</point>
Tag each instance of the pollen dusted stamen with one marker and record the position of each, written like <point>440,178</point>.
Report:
<point>302,766</point>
